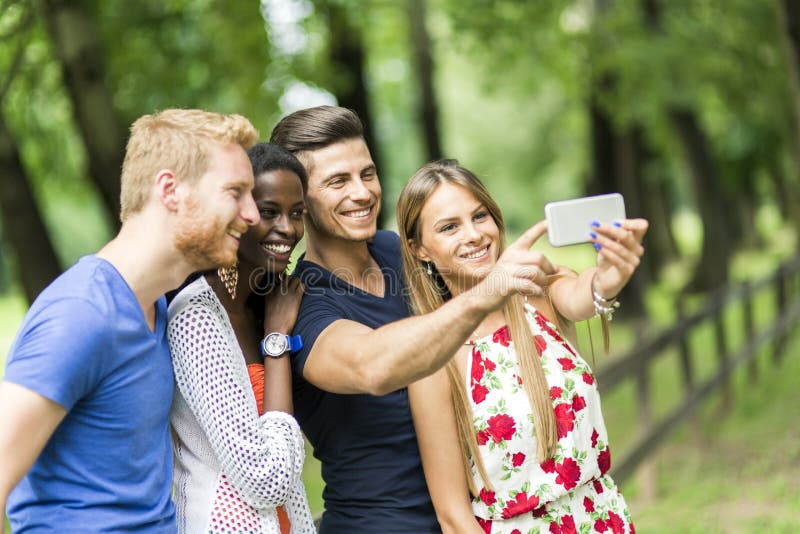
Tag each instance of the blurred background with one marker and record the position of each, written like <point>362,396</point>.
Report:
<point>689,108</point>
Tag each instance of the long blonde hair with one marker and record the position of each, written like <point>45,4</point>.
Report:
<point>428,292</point>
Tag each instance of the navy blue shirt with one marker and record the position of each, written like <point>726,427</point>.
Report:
<point>370,460</point>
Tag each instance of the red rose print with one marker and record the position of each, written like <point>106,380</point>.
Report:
<point>486,524</point>
<point>600,526</point>
<point>482,436</point>
<point>631,528</point>
<point>568,525</point>
<point>588,505</point>
<point>598,487</point>
<point>519,379</point>
<point>516,531</point>
<point>548,466</point>
<point>555,392</point>
<point>566,346</point>
<point>520,504</point>
<point>555,528</point>
<point>565,419</point>
<point>476,372</point>
<point>542,322</point>
<point>578,403</point>
<point>588,378</point>
<point>540,344</point>
<point>604,460</point>
<point>479,393</point>
<point>502,336</point>
<point>566,364</point>
<point>517,459</point>
<point>569,472</point>
<point>489,364</point>
<point>501,427</point>
<point>539,512</point>
<point>595,435</point>
<point>487,497</point>
<point>616,523</point>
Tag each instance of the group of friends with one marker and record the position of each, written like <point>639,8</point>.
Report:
<point>434,372</point>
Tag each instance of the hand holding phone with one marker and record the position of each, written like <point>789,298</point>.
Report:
<point>568,221</point>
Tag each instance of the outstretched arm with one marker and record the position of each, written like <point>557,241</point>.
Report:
<point>349,357</point>
<point>29,420</point>
<point>618,256</point>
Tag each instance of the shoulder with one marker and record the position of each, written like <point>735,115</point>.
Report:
<point>386,240</point>
<point>193,295</point>
<point>385,248</point>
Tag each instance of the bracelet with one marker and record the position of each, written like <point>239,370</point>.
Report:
<point>602,306</point>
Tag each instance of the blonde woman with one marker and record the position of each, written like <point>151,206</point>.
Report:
<point>510,431</point>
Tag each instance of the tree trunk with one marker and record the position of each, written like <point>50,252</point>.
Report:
<point>348,59</point>
<point>602,178</point>
<point>36,261</point>
<point>712,269</point>
<point>423,63</point>
<point>76,45</point>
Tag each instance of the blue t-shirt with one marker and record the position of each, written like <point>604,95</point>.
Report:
<point>85,344</point>
<point>370,460</point>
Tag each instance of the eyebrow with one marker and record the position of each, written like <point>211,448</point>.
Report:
<point>449,219</point>
<point>270,202</point>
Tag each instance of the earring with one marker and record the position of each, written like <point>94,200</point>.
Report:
<point>428,270</point>
<point>229,277</point>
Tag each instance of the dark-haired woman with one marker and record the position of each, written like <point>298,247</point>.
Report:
<point>238,450</point>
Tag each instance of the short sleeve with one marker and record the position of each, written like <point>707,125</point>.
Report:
<point>317,312</point>
<point>59,351</point>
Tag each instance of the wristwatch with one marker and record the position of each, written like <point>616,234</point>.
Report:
<point>276,344</point>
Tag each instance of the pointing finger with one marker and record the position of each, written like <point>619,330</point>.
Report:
<point>531,235</point>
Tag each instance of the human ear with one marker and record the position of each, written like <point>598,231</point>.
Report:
<point>167,189</point>
<point>418,251</point>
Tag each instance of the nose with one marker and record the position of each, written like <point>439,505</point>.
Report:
<point>248,210</point>
<point>359,191</point>
<point>471,232</point>
<point>283,226</point>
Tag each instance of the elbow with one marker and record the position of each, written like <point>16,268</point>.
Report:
<point>377,381</point>
<point>272,488</point>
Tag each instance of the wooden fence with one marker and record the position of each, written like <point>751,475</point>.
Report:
<point>636,364</point>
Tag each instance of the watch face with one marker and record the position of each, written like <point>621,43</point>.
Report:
<point>275,344</point>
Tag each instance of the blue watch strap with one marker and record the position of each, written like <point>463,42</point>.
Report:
<point>295,343</point>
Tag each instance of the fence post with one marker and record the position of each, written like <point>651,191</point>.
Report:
<point>683,346</point>
<point>647,474</point>
<point>749,328</point>
<point>780,301</point>
<point>722,352</point>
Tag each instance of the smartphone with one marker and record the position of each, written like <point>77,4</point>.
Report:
<point>569,221</point>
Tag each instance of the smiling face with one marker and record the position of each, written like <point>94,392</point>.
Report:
<point>458,235</point>
<point>217,210</point>
<point>344,195</point>
<point>269,244</point>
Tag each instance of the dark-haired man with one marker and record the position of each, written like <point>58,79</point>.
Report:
<point>361,349</point>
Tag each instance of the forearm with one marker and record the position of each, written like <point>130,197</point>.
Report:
<point>278,385</point>
<point>572,296</point>
<point>399,353</point>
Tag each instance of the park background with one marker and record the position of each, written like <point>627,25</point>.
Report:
<point>690,108</point>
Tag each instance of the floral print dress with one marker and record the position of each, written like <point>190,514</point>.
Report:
<point>570,492</point>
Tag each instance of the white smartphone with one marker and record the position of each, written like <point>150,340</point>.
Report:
<point>569,221</point>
